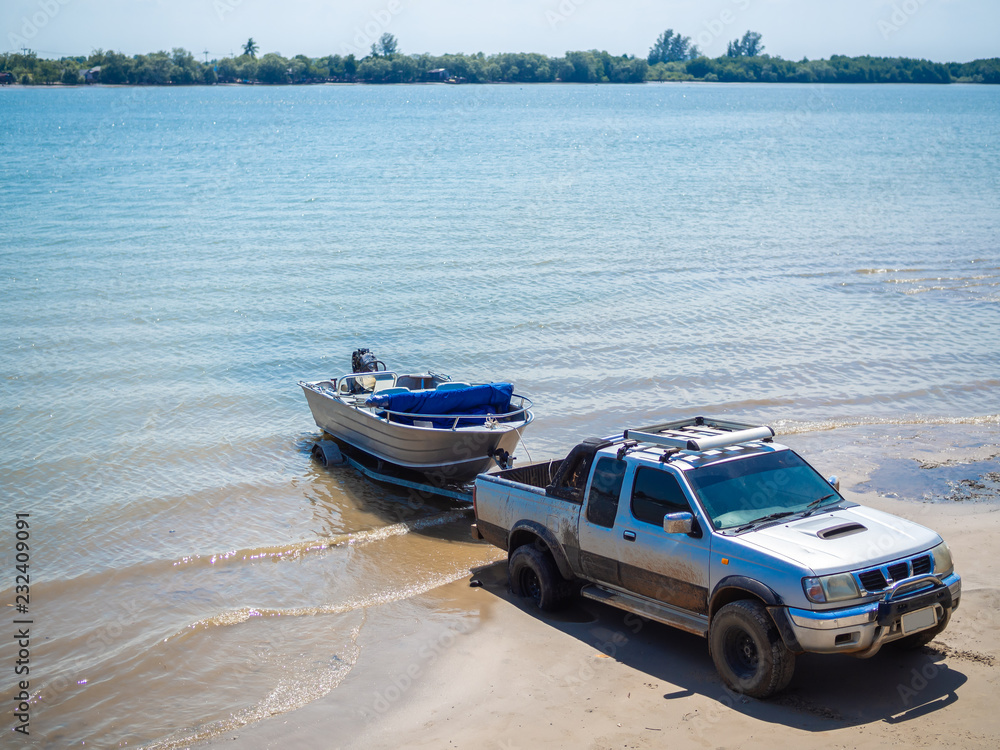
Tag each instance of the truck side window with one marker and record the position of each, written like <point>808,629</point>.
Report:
<point>606,487</point>
<point>656,493</point>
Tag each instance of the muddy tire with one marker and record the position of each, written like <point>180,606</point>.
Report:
<point>748,651</point>
<point>533,574</point>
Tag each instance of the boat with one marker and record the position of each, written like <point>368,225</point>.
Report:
<point>425,422</point>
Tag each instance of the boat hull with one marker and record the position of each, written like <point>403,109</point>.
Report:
<point>449,455</point>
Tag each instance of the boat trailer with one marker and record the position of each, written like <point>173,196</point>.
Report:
<point>330,453</point>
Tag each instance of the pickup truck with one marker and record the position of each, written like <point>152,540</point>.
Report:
<point>712,527</point>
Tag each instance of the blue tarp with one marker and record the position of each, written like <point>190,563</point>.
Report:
<point>484,400</point>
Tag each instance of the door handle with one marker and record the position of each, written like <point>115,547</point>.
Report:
<point>629,536</point>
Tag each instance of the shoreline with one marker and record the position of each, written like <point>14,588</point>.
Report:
<point>589,677</point>
<point>257,84</point>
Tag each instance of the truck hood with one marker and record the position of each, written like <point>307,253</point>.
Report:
<point>843,540</point>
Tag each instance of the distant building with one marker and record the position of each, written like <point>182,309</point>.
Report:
<point>438,74</point>
<point>92,75</point>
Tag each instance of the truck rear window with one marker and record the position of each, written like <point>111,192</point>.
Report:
<point>605,488</point>
<point>656,493</point>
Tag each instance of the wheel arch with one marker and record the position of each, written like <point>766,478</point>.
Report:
<point>532,532</point>
<point>734,588</point>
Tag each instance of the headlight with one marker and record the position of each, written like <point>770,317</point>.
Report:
<point>833,588</point>
<point>942,560</point>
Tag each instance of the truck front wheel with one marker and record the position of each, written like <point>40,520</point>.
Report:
<point>533,574</point>
<point>748,651</point>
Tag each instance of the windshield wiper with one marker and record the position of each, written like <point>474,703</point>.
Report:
<point>811,508</point>
<point>764,519</point>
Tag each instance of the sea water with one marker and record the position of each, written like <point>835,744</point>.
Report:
<point>172,261</point>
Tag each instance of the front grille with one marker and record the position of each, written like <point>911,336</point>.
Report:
<point>899,571</point>
<point>878,579</point>
<point>872,580</point>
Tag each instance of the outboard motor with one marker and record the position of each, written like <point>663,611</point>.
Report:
<point>363,360</point>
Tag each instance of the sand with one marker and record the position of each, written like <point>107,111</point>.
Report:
<point>504,675</point>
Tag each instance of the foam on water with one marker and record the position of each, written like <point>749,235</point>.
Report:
<point>298,549</point>
<point>237,617</point>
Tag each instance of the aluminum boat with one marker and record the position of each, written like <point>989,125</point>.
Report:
<point>449,431</point>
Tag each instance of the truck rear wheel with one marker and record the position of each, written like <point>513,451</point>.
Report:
<point>533,574</point>
<point>748,651</point>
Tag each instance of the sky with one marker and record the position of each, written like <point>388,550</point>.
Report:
<point>939,30</point>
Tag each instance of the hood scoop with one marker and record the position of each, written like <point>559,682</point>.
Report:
<point>843,529</point>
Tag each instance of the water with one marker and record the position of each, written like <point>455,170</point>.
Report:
<point>174,260</point>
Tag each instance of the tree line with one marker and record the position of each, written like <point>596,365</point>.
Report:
<point>671,58</point>
<point>836,69</point>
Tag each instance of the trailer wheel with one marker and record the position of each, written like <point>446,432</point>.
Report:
<point>748,651</point>
<point>327,453</point>
<point>533,574</point>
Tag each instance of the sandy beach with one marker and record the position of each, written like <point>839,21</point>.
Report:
<point>491,671</point>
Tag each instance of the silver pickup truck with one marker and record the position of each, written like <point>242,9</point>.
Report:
<point>713,528</point>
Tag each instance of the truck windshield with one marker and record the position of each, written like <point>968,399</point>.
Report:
<point>738,493</point>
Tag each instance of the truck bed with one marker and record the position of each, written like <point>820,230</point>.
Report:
<point>536,475</point>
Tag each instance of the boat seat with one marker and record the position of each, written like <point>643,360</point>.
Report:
<point>451,386</point>
<point>384,382</point>
<point>390,391</point>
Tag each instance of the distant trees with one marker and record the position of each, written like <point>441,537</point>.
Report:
<point>525,67</point>
<point>272,68</point>
<point>226,70</point>
<point>115,67</point>
<point>394,69</point>
<point>748,46</point>
<point>838,69</point>
<point>246,68</point>
<point>184,70</point>
<point>601,67</point>
<point>250,48</point>
<point>179,67</point>
<point>386,46</point>
<point>671,47</point>
<point>155,68</point>
<point>977,71</point>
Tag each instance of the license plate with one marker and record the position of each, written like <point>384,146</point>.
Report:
<point>919,620</point>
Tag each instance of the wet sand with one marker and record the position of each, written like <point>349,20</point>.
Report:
<point>491,671</point>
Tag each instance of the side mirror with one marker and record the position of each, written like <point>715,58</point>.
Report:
<point>834,482</point>
<point>678,523</point>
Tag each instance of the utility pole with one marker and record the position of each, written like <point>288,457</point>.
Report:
<point>206,57</point>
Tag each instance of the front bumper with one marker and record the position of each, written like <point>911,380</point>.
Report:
<point>865,628</point>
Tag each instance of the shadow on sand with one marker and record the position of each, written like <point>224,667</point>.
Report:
<point>827,692</point>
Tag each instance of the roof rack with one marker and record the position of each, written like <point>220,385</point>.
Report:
<point>699,434</point>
